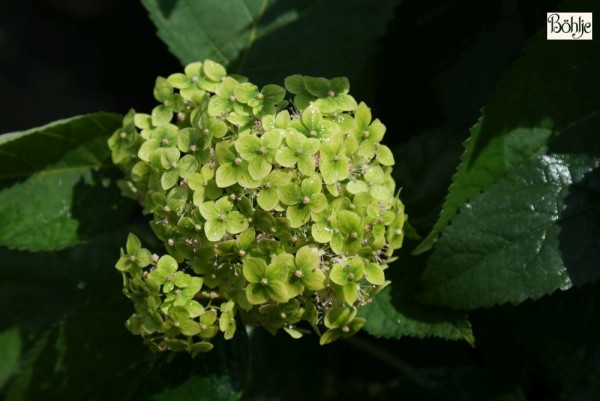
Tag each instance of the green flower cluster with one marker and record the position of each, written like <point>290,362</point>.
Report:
<point>280,212</point>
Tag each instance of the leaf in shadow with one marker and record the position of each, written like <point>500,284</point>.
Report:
<point>38,289</point>
<point>88,355</point>
<point>579,237</point>
<point>269,40</point>
<point>167,7</point>
<point>396,313</point>
<point>57,186</point>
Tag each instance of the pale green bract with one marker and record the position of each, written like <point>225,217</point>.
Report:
<point>279,212</point>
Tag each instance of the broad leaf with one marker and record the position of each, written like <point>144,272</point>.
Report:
<point>551,89</point>
<point>37,289</point>
<point>520,238</point>
<point>396,319</point>
<point>57,184</point>
<point>327,38</point>
<point>80,355</point>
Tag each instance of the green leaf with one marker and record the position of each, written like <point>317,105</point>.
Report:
<point>519,238</point>
<point>58,184</point>
<point>242,35</point>
<point>43,287</point>
<point>522,116</point>
<point>397,318</point>
<point>208,388</point>
<point>10,353</point>
<point>63,361</point>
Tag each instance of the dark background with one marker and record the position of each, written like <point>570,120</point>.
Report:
<point>60,58</point>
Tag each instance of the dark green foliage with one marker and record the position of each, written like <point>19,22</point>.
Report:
<point>508,243</point>
<point>269,40</point>
<point>57,184</point>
